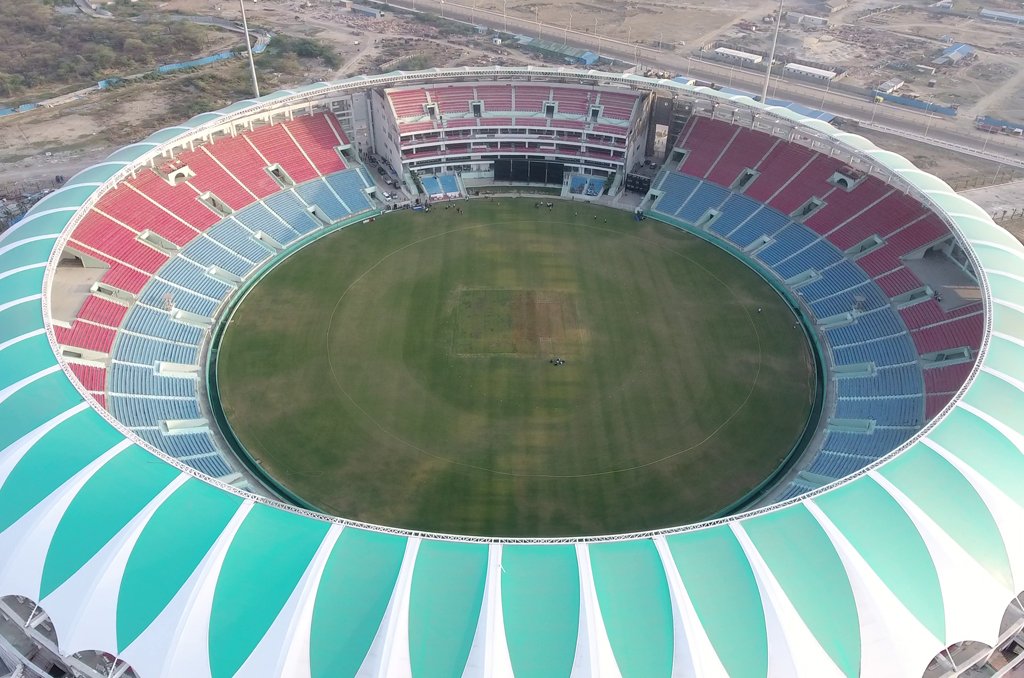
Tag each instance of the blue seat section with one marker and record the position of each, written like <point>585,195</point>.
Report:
<point>205,252</point>
<point>133,379</point>
<point>838,464</point>
<point>212,465</point>
<point>156,291</point>
<point>866,295</point>
<point>874,325</point>
<point>677,189</point>
<point>232,235</point>
<point>787,241</point>
<point>364,175</point>
<point>318,193</point>
<point>896,350</point>
<point>257,217</point>
<point>185,273</point>
<point>707,196</point>
<point>431,185</point>
<point>451,185</point>
<point>734,212</point>
<point>181,444</point>
<point>132,348</point>
<point>135,411</point>
<point>885,411</point>
<point>875,444</point>
<point>288,206</point>
<point>765,222</point>
<point>840,277</point>
<point>349,186</point>
<point>818,256</point>
<point>900,380</point>
<point>795,489</point>
<point>145,320</point>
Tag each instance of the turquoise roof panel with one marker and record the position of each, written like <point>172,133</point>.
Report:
<point>724,595</point>
<point>929,481</point>
<point>22,284</point>
<point>96,173</point>
<point>354,592</point>
<point>62,452</point>
<point>170,547</point>
<point>996,397</point>
<point>983,448</point>
<point>806,565</point>
<point>70,196</point>
<point>635,605</point>
<point>17,320</point>
<point>34,404</point>
<point>266,559</point>
<point>875,525</point>
<point>540,598</point>
<point>104,505</point>
<point>1004,357</point>
<point>444,606</point>
<point>26,253</point>
<point>26,358</point>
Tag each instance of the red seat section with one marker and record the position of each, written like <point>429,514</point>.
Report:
<point>618,105</point>
<point>955,333</point>
<point>405,127</point>
<point>274,144</point>
<point>530,99</point>
<point>886,216</point>
<point>705,143</point>
<point>887,257</point>
<point>777,168</point>
<point>841,205</point>
<point>747,149</point>
<point>336,126</point>
<point>811,183</point>
<point>122,277</point>
<point>210,176</point>
<point>408,103</point>
<point>86,335</point>
<point>318,139</point>
<point>245,163</point>
<point>929,313</point>
<point>946,379</point>
<point>898,282</point>
<point>454,99</point>
<point>602,128</point>
<point>182,200</point>
<point>101,235</point>
<point>92,378</point>
<point>496,98</point>
<point>574,101</point>
<point>135,211</point>
<point>102,311</point>
<point>933,403</point>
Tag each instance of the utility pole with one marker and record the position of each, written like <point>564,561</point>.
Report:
<point>771,55</point>
<point>248,45</point>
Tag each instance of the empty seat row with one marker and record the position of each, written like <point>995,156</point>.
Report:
<point>133,410</point>
<point>134,348</point>
<point>138,380</point>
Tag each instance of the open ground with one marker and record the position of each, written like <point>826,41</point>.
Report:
<point>399,372</point>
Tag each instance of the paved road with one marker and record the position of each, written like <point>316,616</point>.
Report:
<point>937,130</point>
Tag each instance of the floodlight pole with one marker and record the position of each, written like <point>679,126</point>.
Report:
<point>771,55</point>
<point>248,45</point>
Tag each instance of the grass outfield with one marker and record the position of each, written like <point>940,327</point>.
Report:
<point>398,372</point>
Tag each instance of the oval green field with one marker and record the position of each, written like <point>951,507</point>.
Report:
<point>401,372</point>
